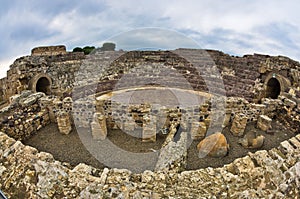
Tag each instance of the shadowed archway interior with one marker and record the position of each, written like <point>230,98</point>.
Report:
<point>273,88</point>
<point>43,85</point>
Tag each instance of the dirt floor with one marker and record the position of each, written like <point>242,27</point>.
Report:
<point>69,148</point>
<point>236,150</point>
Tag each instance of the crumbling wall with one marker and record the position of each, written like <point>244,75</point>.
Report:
<point>245,76</point>
<point>23,117</point>
<point>60,70</point>
<point>104,71</point>
<point>241,76</point>
<point>27,173</point>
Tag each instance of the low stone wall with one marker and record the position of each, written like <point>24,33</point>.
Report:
<point>27,173</point>
<point>29,112</point>
<point>24,117</point>
<point>83,110</point>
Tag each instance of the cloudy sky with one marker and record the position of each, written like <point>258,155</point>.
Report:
<point>234,26</point>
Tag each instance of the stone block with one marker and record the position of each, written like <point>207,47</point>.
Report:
<point>98,132</point>
<point>64,124</point>
<point>295,142</point>
<point>238,125</point>
<point>252,141</point>
<point>204,108</point>
<point>264,123</point>
<point>149,129</point>
<point>198,130</point>
<point>149,134</point>
<point>227,118</point>
<point>98,127</point>
<point>207,122</point>
<point>289,103</point>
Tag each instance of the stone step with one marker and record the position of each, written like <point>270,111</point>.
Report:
<point>298,137</point>
<point>286,148</point>
<point>276,154</point>
<point>295,142</point>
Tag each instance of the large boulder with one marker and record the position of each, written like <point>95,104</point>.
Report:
<point>214,145</point>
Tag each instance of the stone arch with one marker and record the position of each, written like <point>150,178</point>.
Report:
<point>275,84</point>
<point>41,83</point>
<point>273,88</point>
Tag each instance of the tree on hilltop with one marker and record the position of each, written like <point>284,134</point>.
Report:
<point>108,46</point>
<point>86,50</point>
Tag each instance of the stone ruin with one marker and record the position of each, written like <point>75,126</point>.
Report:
<point>45,88</point>
<point>49,50</point>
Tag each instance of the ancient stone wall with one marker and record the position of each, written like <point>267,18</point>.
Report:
<point>23,117</point>
<point>49,50</point>
<point>25,72</point>
<point>241,76</point>
<point>28,112</point>
<point>27,173</point>
<point>104,71</point>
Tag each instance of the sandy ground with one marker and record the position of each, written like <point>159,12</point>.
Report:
<point>69,148</point>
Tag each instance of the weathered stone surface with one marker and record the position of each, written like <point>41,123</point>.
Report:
<point>64,124</point>
<point>198,130</point>
<point>149,128</point>
<point>173,154</point>
<point>264,123</point>
<point>98,127</point>
<point>49,50</point>
<point>252,140</point>
<point>238,125</point>
<point>214,145</point>
<point>129,126</point>
<point>289,103</point>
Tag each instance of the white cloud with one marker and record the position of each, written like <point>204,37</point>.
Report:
<point>4,66</point>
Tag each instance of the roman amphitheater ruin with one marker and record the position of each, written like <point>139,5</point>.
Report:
<point>184,123</point>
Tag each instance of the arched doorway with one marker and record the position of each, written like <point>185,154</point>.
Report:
<point>43,85</point>
<point>273,88</point>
